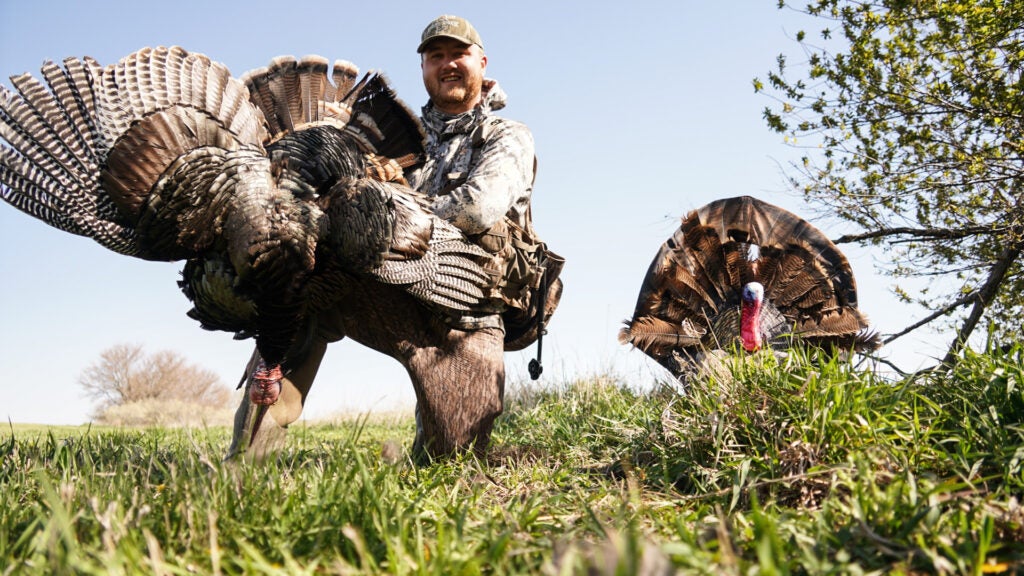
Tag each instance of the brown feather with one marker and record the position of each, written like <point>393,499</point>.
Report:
<point>693,284</point>
<point>277,189</point>
<point>344,74</point>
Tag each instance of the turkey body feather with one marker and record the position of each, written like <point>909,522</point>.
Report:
<point>273,188</point>
<point>740,270</point>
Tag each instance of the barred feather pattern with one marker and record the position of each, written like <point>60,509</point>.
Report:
<point>297,93</point>
<point>51,151</point>
<point>387,231</point>
<point>448,275</point>
<point>66,139</point>
<point>689,301</point>
<point>273,188</point>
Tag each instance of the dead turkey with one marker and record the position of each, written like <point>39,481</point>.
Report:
<point>276,189</point>
<point>742,271</point>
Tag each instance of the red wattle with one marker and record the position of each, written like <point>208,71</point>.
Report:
<point>750,326</point>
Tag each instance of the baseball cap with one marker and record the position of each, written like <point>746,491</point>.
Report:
<point>448,26</point>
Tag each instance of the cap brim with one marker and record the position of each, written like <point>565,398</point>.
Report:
<point>423,44</point>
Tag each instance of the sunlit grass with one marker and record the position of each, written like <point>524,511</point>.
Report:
<point>785,466</point>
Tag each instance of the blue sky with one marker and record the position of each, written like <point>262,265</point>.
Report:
<point>639,115</point>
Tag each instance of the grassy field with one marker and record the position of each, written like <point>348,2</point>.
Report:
<point>788,467</point>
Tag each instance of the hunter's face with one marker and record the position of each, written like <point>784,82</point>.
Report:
<point>453,74</point>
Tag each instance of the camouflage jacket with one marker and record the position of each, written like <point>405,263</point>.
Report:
<point>475,191</point>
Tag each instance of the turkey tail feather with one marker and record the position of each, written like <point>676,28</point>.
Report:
<point>690,298</point>
<point>387,125</point>
<point>296,93</point>
<point>344,75</point>
<point>51,154</point>
<point>83,151</point>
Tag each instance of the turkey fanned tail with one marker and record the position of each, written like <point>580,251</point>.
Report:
<point>165,156</point>
<point>691,301</point>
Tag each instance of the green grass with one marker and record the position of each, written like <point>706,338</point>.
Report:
<point>788,467</point>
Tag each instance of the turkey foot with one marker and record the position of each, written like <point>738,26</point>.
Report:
<point>266,384</point>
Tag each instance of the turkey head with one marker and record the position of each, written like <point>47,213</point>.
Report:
<point>742,271</point>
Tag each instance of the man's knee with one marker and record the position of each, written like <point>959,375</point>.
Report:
<point>460,395</point>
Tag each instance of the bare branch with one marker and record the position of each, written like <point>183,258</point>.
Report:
<point>982,298</point>
<point>933,233</point>
<point>959,303</point>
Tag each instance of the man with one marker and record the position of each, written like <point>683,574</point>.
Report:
<point>479,171</point>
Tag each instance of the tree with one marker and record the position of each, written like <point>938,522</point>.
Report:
<point>914,132</point>
<point>124,375</point>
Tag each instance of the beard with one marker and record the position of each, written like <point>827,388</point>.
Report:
<point>455,95</point>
